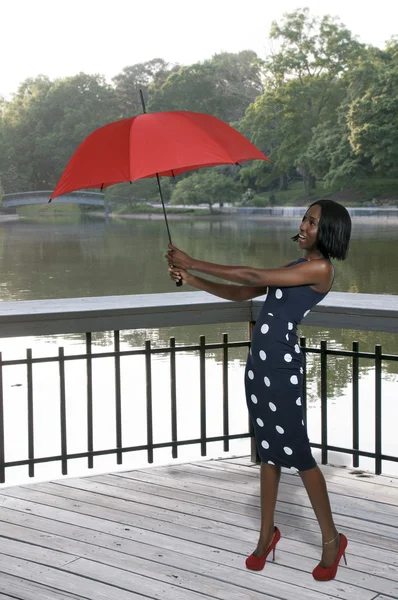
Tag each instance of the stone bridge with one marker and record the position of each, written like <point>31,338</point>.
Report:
<point>42,197</point>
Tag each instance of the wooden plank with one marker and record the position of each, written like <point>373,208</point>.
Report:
<point>25,589</point>
<point>354,475</point>
<point>68,582</point>
<point>234,501</point>
<point>223,524</point>
<point>126,558</point>
<point>376,492</point>
<point>213,584</point>
<point>131,512</point>
<point>342,504</point>
<point>85,543</point>
<point>342,507</point>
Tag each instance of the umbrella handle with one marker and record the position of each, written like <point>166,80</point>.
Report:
<point>179,282</point>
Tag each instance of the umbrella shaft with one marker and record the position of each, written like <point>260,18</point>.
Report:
<point>163,206</point>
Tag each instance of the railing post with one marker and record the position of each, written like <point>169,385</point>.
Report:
<point>225,391</point>
<point>31,445</point>
<point>378,410</point>
<point>173,396</point>
<point>355,402</point>
<point>149,417</point>
<point>89,370</point>
<point>64,448</point>
<point>118,399</point>
<point>324,403</point>
<point>202,363</point>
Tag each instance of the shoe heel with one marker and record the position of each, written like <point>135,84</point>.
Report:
<point>345,560</point>
<point>273,555</point>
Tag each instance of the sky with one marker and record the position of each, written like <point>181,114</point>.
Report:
<point>59,39</point>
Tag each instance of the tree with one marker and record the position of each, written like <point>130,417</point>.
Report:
<point>373,119</point>
<point>146,76</point>
<point>223,86</point>
<point>46,121</point>
<point>303,88</point>
<point>206,187</point>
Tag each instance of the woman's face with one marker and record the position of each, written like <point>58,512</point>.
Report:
<point>309,228</point>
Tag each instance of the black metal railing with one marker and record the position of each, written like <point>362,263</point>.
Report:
<point>174,443</point>
<point>378,358</point>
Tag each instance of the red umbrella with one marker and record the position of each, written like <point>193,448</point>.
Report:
<point>153,145</point>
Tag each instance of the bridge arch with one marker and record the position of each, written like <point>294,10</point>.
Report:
<point>43,196</point>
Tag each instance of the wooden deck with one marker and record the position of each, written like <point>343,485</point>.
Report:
<point>182,533</point>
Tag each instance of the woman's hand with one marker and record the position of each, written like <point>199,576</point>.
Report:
<point>178,258</point>
<point>179,275</point>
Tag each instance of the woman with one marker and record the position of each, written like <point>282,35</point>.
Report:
<point>274,370</point>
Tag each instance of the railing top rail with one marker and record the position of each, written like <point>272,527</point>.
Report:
<point>369,312</point>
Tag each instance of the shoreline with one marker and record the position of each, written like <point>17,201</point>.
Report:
<point>370,218</point>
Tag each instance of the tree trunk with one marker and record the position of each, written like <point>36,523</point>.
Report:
<point>282,182</point>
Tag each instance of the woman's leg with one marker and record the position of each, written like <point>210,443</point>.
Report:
<point>269,483</point>
<point>315,485</point>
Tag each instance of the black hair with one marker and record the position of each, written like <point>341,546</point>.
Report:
<point>334,229</point>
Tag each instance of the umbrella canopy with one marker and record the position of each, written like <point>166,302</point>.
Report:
<point>162,143</point>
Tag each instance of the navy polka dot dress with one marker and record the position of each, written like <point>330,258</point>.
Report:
<point>274,377</point>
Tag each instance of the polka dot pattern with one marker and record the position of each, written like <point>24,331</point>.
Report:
<point>274,377</point>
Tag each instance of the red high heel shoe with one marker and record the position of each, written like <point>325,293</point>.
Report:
<point>328,573</point>
<point>256,563</point>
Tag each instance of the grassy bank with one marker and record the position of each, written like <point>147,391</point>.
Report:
<point>374,191</point>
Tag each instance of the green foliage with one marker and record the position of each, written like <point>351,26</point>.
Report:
<point>46,121</point>
<point>206,187</point>
<point>373,122</point>
<point>142,190</point>
<point>147,77</point>
<point>223,86</point>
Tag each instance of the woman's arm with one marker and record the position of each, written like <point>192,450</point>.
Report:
<point>306,273</point>
<point>237,293</point>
